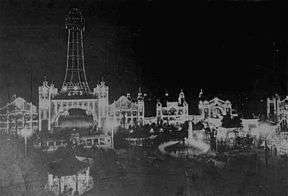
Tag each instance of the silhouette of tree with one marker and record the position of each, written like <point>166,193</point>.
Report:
<point>231,122</point>
<point>25,174</point>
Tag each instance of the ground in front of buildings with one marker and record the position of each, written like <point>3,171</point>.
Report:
<point>140,173</point>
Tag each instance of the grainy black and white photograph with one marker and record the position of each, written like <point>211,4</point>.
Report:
<point>143,98</point>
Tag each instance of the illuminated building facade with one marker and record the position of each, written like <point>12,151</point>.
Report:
<point>172,112</point>
<point>127,112</point>
<point>18,115</point>
<point>215,108</point>
<point>75,97</point>
<point>277,110</point>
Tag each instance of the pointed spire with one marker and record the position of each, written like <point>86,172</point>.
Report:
<point>181,97</point>
<point>102,81</point>
<point>140,95</point>
<point>276,52</point>
<point>128,96</point>
<point>166,94</point>
<point>200,93</point>
<point>45,82</point>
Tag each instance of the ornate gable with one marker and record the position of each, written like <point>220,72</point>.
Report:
<point>123,103</point>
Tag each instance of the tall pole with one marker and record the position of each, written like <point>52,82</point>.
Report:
<point>7,83</point>
<point>266,153</point>
<point>25,138</point>
<point>31,97</point>
<point>112,142</point>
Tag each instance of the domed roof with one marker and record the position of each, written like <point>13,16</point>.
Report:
<point>75,118</point>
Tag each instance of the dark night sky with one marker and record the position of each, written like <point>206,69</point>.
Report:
<point>224,48</point>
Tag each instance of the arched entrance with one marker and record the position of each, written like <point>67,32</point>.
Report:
<point>217,112</point>
<point>74,118</point>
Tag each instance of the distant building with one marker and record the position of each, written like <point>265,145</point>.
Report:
<point>54,106</point>
<point>17,115</point>
<point>172,112</point>
<point>277,110</point>
<point>53,142</point>
<point>127,112</point>
<point>99,141</point>
<point>215,108</point>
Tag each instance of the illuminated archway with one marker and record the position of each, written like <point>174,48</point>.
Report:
<point>75,118</point>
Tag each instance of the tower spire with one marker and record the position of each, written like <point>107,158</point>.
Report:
<point>75,80</point>
<point>277,82</point>
<point>276,52</point>
<point>140,95</point>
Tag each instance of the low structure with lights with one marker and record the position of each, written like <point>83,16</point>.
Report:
<point>69,176</point>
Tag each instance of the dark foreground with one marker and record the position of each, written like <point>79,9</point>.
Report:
<point>138,173</point>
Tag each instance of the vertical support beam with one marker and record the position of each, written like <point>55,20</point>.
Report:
<point>49,109</point>
<point>268,108</point>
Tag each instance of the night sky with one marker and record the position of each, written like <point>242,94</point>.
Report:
<point>224,48</point>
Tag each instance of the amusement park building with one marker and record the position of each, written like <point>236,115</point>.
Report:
<point>75,94</point>
<point>172,112</point>
<point>215,108</point>
<point>127,112</point>
<point>17,115</point>
<point>277,110</point>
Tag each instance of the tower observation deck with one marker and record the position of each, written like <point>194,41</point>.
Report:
<point>75,81</point>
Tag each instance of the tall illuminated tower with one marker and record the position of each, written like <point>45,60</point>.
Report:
<point>75,93</point>
<point>75,82</point>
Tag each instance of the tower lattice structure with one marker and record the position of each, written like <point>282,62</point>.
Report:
<point>75,92</point>
<point>75,82</point>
